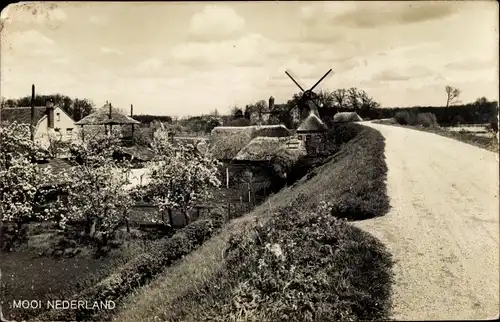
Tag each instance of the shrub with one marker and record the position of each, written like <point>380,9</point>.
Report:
<point>301,265</point>
<point>426,120</point>
<point>141,269</point>
<point>405,117</point>
<point>412,118</point>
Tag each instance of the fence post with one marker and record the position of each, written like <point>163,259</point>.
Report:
<point>249,193</point>
<point>227,177</point>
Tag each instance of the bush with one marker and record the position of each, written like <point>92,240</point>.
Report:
<point>301,265</point>
<point>426,120</point>
<point>141,269</point>
<point>412,118</point>
<point>405,117</point>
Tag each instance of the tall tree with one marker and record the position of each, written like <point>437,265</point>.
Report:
<point>353,99</point>
<point>339,97</point>
<point>452,94</point>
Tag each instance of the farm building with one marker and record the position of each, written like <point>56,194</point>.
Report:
<point>312,131</point>
<point>226,142</point>
<point>136,154</point>
<point>344,117</point>
<point>103,120</point>
<point>50,122</point>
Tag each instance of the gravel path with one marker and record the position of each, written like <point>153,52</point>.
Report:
<point>443,228</point>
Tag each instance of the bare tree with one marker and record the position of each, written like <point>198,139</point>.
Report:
<point>353,99</point>
<point>367,102</point>
<point>339,97</point>
<point>452,94</point>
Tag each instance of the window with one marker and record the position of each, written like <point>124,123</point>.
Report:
<point>58,117</point>
<point>69,130</point>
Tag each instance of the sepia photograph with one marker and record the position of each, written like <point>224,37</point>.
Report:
<point>249,161</point>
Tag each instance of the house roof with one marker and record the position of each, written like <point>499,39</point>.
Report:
<point>261,148</point>
<point>22,114</point>
<point>56,166</point>
<point>312,123</point>
<point>226,141</point>
<point>347,117</point>
<point>101,117</point>
<point>138,152</point>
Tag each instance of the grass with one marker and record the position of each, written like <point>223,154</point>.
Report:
<point>27,275</point>
<point>487,143</point>
<point>328,270</point>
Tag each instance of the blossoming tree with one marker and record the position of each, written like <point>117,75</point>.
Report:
<point>20,178</point>
<point>96,188</point>
<point>179,176</point>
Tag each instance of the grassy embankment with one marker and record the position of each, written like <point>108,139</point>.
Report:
<point>291,258</point>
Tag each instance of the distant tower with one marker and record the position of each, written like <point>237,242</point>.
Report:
<point>271,103</point>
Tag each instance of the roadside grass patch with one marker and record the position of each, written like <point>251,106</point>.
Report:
<point>293,258</point>
<point>300,265</point>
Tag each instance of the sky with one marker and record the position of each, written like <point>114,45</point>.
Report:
<point>189,58</point>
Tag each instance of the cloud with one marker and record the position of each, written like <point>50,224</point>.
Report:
<point>216,22</point>
<point>111,51</point>
<point>474,64</point>
<point>149,65</point>
<point>32,13</point>
<point>368,15</point>
<point>403,74</point>
<point>28,43</point>
<point>97,20</point>
<point>251,50</point>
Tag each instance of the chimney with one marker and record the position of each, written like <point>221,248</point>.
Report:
<point>271,103</point>
<point>50,114</point>
<point>131,110</point>
<point>32,124</point>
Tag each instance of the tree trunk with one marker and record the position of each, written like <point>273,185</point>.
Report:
<point>170,217</point>
<point>1,235</point>
<point>127,225</point>
<point>92,228</point>
<point>186,217</point>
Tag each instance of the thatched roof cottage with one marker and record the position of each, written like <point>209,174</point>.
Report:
<point>312,124</point>
<point>344,117</point>
<point>107,115</point>
<point>104,119</point>
<point>227,141</point>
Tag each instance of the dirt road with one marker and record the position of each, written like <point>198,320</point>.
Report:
<point>443,228</point>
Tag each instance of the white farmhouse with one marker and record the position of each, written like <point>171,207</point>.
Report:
<point>49,122</point>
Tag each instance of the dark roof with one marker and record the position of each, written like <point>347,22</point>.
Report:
<point>226,141</point>
<point>261,148</point>
<point>347,117</point>
<point>312,123</point>
<point>21,114</point>
<point>56,166</point>
<point>139,153</point>
<point>101,117</point>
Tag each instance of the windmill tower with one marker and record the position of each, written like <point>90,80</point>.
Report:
<point>312,129</point>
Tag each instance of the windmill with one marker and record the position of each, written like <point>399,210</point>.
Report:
<point>307,96</point>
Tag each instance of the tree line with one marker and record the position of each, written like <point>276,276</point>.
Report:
<point>77,108</point>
